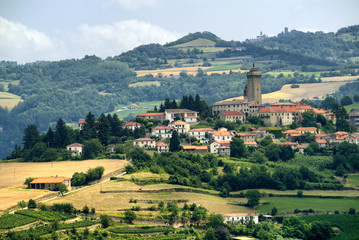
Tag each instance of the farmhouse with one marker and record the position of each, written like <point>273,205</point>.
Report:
<point>50,183</point>
<point>75,148</point>
<point>220,136</point>
<point>161,147</point>
<point>242,218</point>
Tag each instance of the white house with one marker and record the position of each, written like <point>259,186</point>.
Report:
<point>182,114</point>
<point>199,133</point>
<point>161,147</point>
<point>220,136</point>
<point>145,142</point>
<point>75,148</point>
<point>180,126</point>
<point>131,125</point>
<point>162,131</point>
<point>242,218</point>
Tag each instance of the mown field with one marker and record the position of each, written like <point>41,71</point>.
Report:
<point>352,106</point>
<point>143,107</point>
<point>9,100</point>
<point>13,175</point>
<point>308,90</point>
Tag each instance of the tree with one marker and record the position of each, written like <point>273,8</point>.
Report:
<point>86,209</point>
<point>28,181</point>
<point>130,216</point>
<point>266,141</point>
<point>103,129</point>
<point>31,204</point>
<point>272,152</point>
<point>346,100</point>
<point>105,221</point>
<point>215,220</point>
<point>63,189</point>
<point>253,197</point>
<point>300,193</point>
<point>78,179</point>
<point>92,148</point>
<point>274,211</point>
<point>238,149</point>
<point>258,157</point>
<point>31,136</point>
<point>61,134</point>
<point>89,127</point>
<point>210,234</point>
<point>175,144</point>
<point>256,120</point>
<point>286,152</point>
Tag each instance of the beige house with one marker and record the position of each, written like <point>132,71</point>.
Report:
<point>75,148</point>
<point>50,183</point>
<point>145,142</point>
<point>152,116</point>
<point>220,136</point>
<point>278,116</point>
<point>180,126</point>
<point>236,104</point>
<point>247,137</point>
<point>199,133</point>
<point>161,147</point>
<point>232,116</point>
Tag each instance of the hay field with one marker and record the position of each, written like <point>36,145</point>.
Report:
<point>308,90</point>
<point>339,78</point>
<point>110,202</point>
<point>169,71</point>
<point>13,175</point>
<point>9,100</point>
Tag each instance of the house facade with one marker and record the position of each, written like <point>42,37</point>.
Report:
<point>161,147</point>
<point>236,104</point>
<point>200,133</point>
<point>162,132</point>
<point>50,183</point>
<point>180,126</point>
<point>241,218</point>
<point>131,126</point>
<point>152,116</point>
<point>186,115</point>
<point>145,142</point>
<point>231,116</point>
<point>75,148</point>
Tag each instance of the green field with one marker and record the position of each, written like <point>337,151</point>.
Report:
<point>144,107</point>
<point>6,84</point>
<point>200,42</point>
<point>352,181</point>
<point>350,107</point>
<point>348,224</point>
<point>288,204</point>
<point>223,67</point>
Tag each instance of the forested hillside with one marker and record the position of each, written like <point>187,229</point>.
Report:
<point>69,89</point>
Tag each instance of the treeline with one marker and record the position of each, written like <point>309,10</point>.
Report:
<point>81,178</point>
<point>193,36</point>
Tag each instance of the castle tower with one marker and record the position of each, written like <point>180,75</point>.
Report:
<point>253,90</point>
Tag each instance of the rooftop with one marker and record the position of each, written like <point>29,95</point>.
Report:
<point>56,179</point>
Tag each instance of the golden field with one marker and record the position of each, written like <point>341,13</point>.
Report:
<point>13,175</point>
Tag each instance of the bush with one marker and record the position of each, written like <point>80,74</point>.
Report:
<point>351,211</point>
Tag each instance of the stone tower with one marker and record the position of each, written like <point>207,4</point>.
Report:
<point>253,90</point>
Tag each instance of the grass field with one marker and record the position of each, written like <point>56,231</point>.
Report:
<point>327,193</point>
<point>339,78</point>
<point>9,100</point>
<point>348,224</point>
<point>352,180</point>
<point>143,107</point>
<point>6,84</point>
<point>288,204</point>
<point>13,175</point>
<point>308,90</point>
<point>352,106</point>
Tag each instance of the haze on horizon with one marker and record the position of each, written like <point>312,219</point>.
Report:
<point>64,29</point>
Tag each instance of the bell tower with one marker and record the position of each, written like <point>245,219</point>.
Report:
<point>253,89</point>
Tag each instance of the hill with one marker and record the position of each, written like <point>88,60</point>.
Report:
<point>193,36</point>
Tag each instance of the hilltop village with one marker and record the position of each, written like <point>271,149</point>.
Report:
<point>236,110</point>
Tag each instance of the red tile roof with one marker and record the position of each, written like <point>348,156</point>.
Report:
<point>179,122</point>
<point>306,129</point>
<point>221,133</point>
<point>150,114</point>
<point>161,144</point>
<point>250,143</point>
<point>75,145</point>
<point>321,141</point>
<point>232,113</point>
<point>131,124</point>
<point>201,130</point>
<point>144,140</point>
<point>289,143</point>
<point>272,110</point>
<point>163,128</point>
<point>56,179</point>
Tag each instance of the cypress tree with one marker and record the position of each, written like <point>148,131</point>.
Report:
<point>31,136</point>
<point>103,129</point>
<point>62,137</point>
<point>175,144</point>
<point>89,128</point>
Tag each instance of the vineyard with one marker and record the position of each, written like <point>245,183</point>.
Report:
<point>45,215</point>
<point>8,221</point>
<point>348,224</point>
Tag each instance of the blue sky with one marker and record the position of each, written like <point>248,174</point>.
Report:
<point>33,30</point>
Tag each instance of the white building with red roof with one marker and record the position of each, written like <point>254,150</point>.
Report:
<point>200,133</point>
<point>278,116</point>
<point>162,131</point>
<point>242,218</point>
<point>186,115</point>
<point>144,142</point>
<point>162,147</point>
<point>132,125</point>
<point>220,136</point>
<point>180,126</point>
<point>75,148</point>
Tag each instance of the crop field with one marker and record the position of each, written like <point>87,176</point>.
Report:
<point>13,175</point>
<point>308,90</point>
<point>339,78</point>
<point>9,100</point>
<point>175,71</point>
<point>288,204</point>
<point>112,202</point>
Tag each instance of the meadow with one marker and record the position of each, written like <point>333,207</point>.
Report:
<point>351,107</point>
<point>9,100</point>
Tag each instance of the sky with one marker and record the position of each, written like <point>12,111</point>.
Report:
<point>32,30</point>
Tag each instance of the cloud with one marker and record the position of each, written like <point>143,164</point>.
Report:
<point>112,39</point>
<point>135,4</point>
<point>21,42</point>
